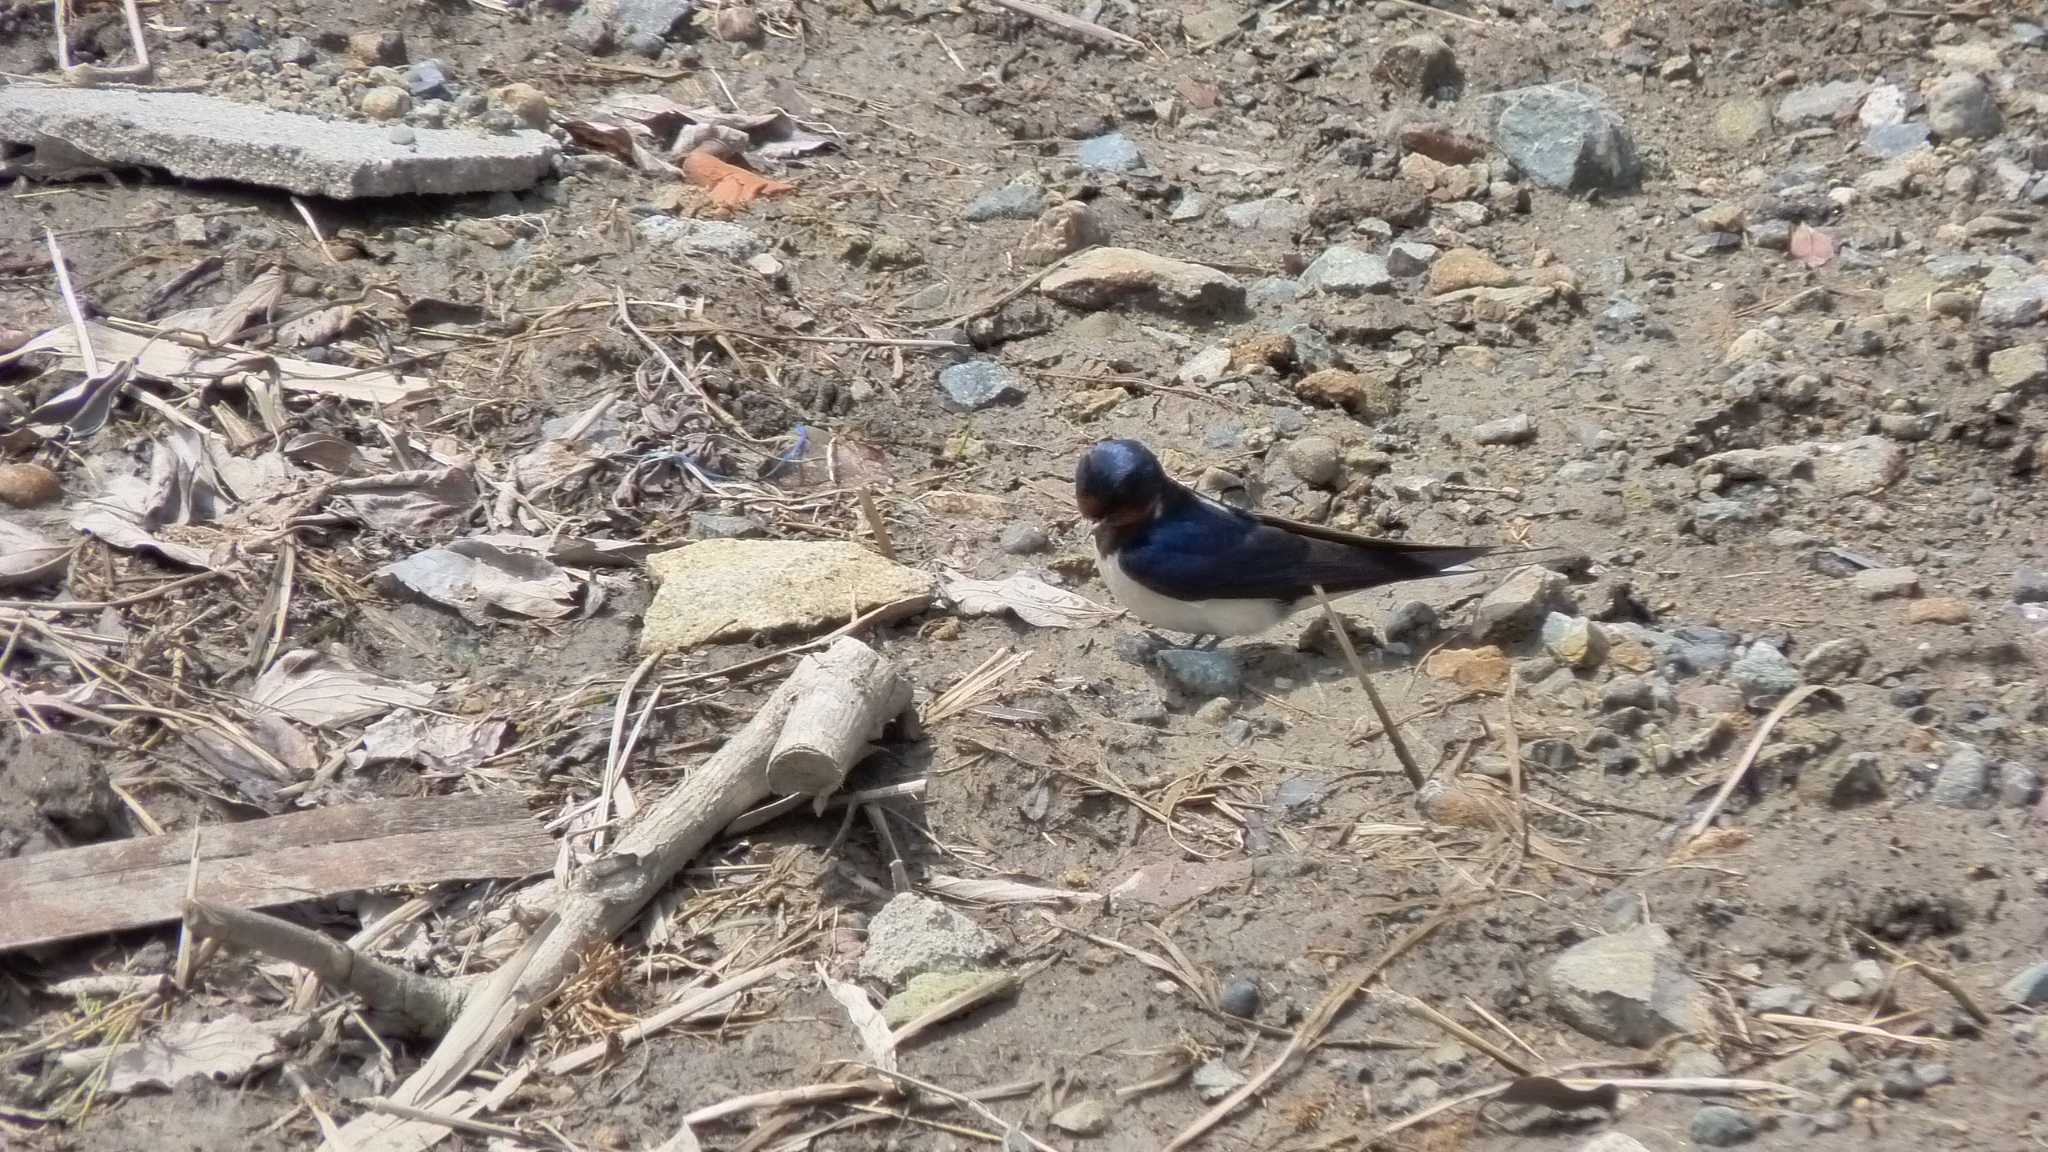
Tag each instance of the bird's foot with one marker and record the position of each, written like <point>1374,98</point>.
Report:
<point>1205,642</point>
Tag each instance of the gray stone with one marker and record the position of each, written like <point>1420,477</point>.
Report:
<point>589,30</point>
<point>1517,429</point>
<point>1719,1126</point>
<point>1316,460</point>
<point>1763,671</point>
<point>1613,1142</point>
<point>1627,988</point>
<point>1885,104</point>
<point>1960,106</point>
<point>1346,271</point>
<point>1025,540</point>
<point>1520,603</point>
<point>1833,660</point>
<point>1272,214</point>
<point>914,934</point>
<point>1887,141</point>
<point>1422,65</point>
<point>1412,623</point>
<point>2029,35</point>
<point>1817,1069</point>
<point>2022,366</point>
<point>1573,641</point>
<point>1239,996</point>
<point>2029,987</point>
<point>1861,782</point>
<point>2010,306</point>
<point>1886,583</point>
<point>724,526</point>
<point>1786,998</point>
<point>1017,200</point>
<point>1564,136</point>
<point>660,18</point>
<point>200,137</point>
<point>1198,673</point>
<point>1110,153</point>
<point>294,50</point>
<point>427,80</point>
<point>976,384</point>
<point>1215,1080</point>
<point>698,237</point>
<point>1821,103</point>
<point>1410,258</point>
<point>2030,586</point>
<point>1964,779</point>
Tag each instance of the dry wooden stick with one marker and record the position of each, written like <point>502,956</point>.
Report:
<point>1422,1011</point>
<point>602,899</point>
<point>1074,24</point>
<point>1938,977</point>
<point>1311,1031</point>
<point>873,516</point>
<point>1756,744</point>
<point>1379,707</point>
<point>408,1002</point>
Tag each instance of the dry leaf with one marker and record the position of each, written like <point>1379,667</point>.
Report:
<point>470,576</point>
<point>27,557</point>
<point>442,743</point>
<point>223,1050</point>
<point>315,688</point>
<point>1485,667</point>
<point>867,1020</point>
<point>316,329</point>
<point>1172,883</point>
<point>1034,601</point>
<point>573,550</point>
<point>412,502</point>
<point>1004,892</point>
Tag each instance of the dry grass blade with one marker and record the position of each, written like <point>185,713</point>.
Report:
<point>1756,744</point>
<point>975,1106</point>
<point>971,690</point>
<point>1417,1008</point>
<point>1311,1031</point>
<point>1815,1023</point>
<point>1186,978</point>
<point>1940,978</point>
<point>866,1019</point>
<point>1379,707</point>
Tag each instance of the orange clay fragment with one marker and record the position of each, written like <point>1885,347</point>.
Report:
<point>728,184</point>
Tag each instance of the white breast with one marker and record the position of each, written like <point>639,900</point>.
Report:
<point>1203,617</point>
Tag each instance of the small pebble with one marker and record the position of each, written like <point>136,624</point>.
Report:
<point>1239,997</point>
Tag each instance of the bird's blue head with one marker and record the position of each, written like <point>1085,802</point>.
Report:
<point>1118,482</point>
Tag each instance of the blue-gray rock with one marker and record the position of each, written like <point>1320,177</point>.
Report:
<point>1620,313</point>
<point>1025,539</point>
<point>1346,271</point>
<point>1296,795</point>
<point>1136,648</point>
<point>1410,258</point>
<point>1764,671</point>
<point>1821,103</point>
<point>1719,1126</point>
<point>645,44</point>
<point>2019,785</point>
<point>724,526</point>
<point>2029,35</point>
<point>1201,674</point>
<point>1017,200</point>
<point>1627,988</point>
<point>1521,602</point>
<point>294,50</point>
<point>1787,998</point>
<point>1960,106</point>
<point>1272,290</point>
<point>2030,987</point>
<point>1272,214</point>
<point>977,384</point>
<point>589,30</point>
<point>1239,996</point>
<point>1412,623</point>
<point>1565,136</point>
<point>1964,778</point>
<point>1111,153</point>
<point>2015,305</point>
<point>654,17</point>
<point>427,80</point>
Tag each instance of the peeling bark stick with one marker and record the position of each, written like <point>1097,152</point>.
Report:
<point>410,1002</point>
<point>604,898</point>
<point>844,698</point>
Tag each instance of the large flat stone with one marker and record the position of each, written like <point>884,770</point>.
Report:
<point>200,137</point>
<point>717,590</point>
<point>1101,277</point>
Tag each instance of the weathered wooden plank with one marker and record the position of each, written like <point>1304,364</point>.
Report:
<point>127,884</point>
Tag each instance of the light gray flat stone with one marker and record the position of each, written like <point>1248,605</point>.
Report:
<point>199,137</point>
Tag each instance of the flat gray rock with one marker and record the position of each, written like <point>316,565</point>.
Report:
<point>913,935</point>
<point>1627,988</point>
<point>1564,136</point>
<point>200,137</point>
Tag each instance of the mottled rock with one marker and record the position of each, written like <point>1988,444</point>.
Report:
<point>1273,214</point>
<point>1964,780</point>
<point>1017,200</point>
<point>1960,106</point>
<point>915,934</point>
<point>1104,277</point>
<point>1516,429</point>
<point>1763,671</point>
<point>1573,641</point>
<point>1346,271</point>
<point>1368,397</point>
<point>1465,268</point>
<point>1821,103</point>
<point>2022,366</point>
<point>1521,602</point>
<point>1719,1126</point>
<point>716,590</point>
<point>1113,152</point>
<point>1063,230</point>
<point>976,384</point>
<point>1627,988</point>
<point>1565,136</point>
<point>1834,660</point>
<point>1198,673</point>
<point>1317,460</point>
<point>1421,65</point>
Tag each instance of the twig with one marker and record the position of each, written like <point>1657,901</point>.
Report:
<point>415,1004</point>
<point>783,1097</point>
<point>162,589</point>
<point>873,516</point>
<point>328,1131</point>
<point>1379,707</point>
<point>614,760</point>
<point>1417,1008</point>
<point>682,377</point>
<point>64,289</point>
<point>899,875</point>
<point>313,226</point>
<point>1756,744</point>
<point>1458,16</point>
<point>1074,24</point>
<point>1318,1022</point>
<point>1787,1020</point>
<point>1938,977</point>
<point>973,1105</point>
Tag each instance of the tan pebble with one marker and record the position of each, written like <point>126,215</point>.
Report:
<point>1938,610</point>
<point>27,485</point>
<point>524,101</point>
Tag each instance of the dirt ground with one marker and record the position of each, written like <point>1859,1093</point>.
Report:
<point>1087,765</point>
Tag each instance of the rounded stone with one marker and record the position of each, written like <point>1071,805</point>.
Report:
<point>1239,997</point>
<point>386,103</point>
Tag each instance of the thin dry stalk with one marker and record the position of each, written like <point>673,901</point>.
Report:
<point>1417,1008</point>
<point>970,690</point>
<point>876,525</point>
<point>1756,744</point>
<point>1786,1020</point>
<point>1379,707</point>
<point>71,306</point>
<point>1074,24</point>
<point>1311,1031</point>
<point>787,1098</point>
<point>1940,978</point>
<point>972,1105</point>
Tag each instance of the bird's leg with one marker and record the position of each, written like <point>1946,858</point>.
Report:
<point>1158,639</point>
<point>1210,644</point>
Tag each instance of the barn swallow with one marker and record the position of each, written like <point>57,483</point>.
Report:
<point>1183,562</point>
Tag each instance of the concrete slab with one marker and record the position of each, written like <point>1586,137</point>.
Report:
<point>201,137</point>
